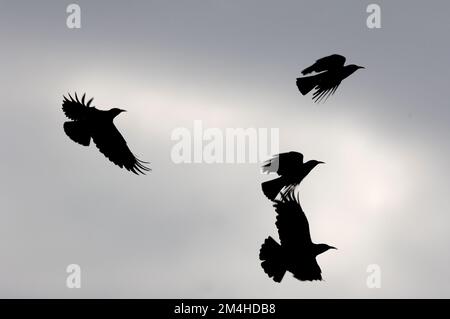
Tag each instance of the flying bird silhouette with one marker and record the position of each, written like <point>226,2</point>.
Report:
<point>331,71</point>
<point>88,122</point>
<point>291,169</point>
<point>297,253</point>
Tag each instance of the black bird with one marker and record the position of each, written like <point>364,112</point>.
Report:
<point>332,73</point>
<point>291,169</point>
<point>89,122</point>
<point>297,253</point>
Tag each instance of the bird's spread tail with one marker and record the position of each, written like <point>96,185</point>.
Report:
<point>272,259</point>
<point>307,83</point>
<point>77,132</point>
<point>272,188</point>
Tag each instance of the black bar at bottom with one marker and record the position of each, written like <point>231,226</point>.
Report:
<point>225,308</point>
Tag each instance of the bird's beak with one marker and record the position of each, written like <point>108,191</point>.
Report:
<point>320,162</point>
<point>361,67</point>
<point>123,110</point>
<point>331,247</point>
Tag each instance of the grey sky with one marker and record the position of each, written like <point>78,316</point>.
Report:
<point>195,230</point>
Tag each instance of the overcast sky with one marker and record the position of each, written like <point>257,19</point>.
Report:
<point>194,230</point>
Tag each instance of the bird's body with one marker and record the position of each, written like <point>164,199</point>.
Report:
<point>91,123</point>
<point>330,73</point>
<point>291,169</point>
<point>296,253</point>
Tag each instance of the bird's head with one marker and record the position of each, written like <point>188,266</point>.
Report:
<point>115,111</point>
<point>309,166</point>
<point>354,67</point>
<point>313,163</point>
<point>321,248</point>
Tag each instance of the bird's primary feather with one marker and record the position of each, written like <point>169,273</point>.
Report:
<point>74,109</point>
<point>324,91</point>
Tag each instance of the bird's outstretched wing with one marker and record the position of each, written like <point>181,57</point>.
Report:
<point>283,163</point>
<point>292,224</point>
<point>295,237</point>
<point>327,63</point>
<point>111,143</point>
<point>75,109</point>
